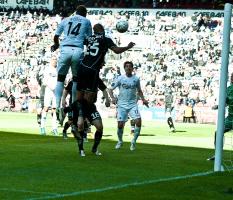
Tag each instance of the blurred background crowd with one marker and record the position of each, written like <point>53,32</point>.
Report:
<point>181,51</point>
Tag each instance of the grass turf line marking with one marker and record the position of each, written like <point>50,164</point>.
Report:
<point>123,186</point>
<point>26,191</point>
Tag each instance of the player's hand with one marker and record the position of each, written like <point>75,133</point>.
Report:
<point>131,44</point>
<point>145,102</point>
<point>54,47</point>
<point>107,103</point>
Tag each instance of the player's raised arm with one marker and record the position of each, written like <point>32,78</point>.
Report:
<point>119,50</point>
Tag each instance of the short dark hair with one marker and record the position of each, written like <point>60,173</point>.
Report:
<point>81,10</point>
<point>128,62</point>
<point>98,28</point>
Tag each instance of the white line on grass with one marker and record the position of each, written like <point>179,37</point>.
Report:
<point>26,191</point>
<point>122,186</point>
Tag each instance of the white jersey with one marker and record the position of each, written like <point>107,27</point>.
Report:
<point>75,29</point>
<point>50,78</point>
<point>128,87</point>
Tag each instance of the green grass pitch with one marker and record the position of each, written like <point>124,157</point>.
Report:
<point>164,166</point>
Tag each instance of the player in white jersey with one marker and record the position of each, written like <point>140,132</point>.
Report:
<point>129,90</point>
<point>75,29</point>
<point>50,81</point>
<point>169,100</point>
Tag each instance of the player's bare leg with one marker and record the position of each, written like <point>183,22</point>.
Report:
<point>79,138</point>
<point>98,136</point>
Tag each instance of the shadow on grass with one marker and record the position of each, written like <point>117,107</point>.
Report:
<point>180,131</point>
<point>147,135</point>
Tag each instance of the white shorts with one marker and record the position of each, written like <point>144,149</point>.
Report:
<point>123,113</point>
<point>49,98</point>
<point>69,57</point>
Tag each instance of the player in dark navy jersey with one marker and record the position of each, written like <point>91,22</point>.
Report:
<point>97,47</point>
<point>93,116</point>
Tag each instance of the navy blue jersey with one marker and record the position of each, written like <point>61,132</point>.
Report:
<point>97,47</point>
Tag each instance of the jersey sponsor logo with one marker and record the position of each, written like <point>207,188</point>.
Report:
<point>128,86</point>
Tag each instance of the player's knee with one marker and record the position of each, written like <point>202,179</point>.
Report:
<point>61,78</point>
<point>99,127</point>
<point>120,125</point>
<point>80,126</point>
<point>132,122</point>
<point>138,122</point>
<point>98,134</point>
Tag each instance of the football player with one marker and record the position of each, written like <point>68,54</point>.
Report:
<point>169,106</point>
<point>129,91</point>
<point>68,92</point>
<point>90,112</point>
<point>75,29</point>
<point>49,96</point>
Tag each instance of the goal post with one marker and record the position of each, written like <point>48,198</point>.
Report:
<point>222,87</point>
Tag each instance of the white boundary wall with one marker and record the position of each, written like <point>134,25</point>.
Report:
<point>154,12</point>
<point>27,3</point>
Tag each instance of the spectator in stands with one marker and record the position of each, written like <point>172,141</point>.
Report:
<point>11,102</point>
<point>189,113</point>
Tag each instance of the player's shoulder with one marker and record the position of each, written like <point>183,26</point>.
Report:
<point>107,37</point>
<point>109,40</point>
<point>135,77</point>
<point>123,76</point>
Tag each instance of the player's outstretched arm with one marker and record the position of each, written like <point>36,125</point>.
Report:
<point>119,50</point>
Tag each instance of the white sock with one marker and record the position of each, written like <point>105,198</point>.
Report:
<point>137,131</point>
<point>43,119</point>
<point>120,134</point>
<point>54,121</point>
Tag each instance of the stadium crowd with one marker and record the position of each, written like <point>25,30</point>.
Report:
<point>182,51</point>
